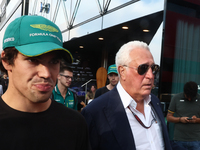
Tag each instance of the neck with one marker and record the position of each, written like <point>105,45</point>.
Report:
<point>62,89</point>
<point>110,87</point>
<point>140,107</point>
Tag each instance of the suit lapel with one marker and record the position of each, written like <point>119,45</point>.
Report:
<point>157,109</point>
<point>118,121</point>
<point>159,113</point>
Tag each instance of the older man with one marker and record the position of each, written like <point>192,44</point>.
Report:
<point>129,117</point>
<point>29,119</point>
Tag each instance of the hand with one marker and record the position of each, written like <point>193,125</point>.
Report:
<point>83,104</point>
<point>194,119</point>
<point>184,120</point>
<point>87,98</point>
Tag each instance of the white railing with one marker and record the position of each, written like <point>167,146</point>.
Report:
<point>85,84</point>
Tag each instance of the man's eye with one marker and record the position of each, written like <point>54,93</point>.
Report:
<point>33,60</point>
<point>55,61</point>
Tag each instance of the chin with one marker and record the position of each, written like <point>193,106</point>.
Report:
<point>146,93</point>
<point>113,84</point>
<point>41,98</point>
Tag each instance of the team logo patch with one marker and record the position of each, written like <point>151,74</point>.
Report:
<point>44,27</point>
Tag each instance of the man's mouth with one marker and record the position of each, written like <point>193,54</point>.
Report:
<point>43,87</point>
<point>150,85</point>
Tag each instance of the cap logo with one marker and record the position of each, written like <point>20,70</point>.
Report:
<point>9,39</point>
<point>44,27</point>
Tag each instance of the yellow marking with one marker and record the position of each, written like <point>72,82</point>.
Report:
<point>44,27</point>
<point>171,112</point>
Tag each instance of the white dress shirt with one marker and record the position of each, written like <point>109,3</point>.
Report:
<point>145,139</point>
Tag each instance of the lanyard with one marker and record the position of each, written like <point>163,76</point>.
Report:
<point>141,123</point>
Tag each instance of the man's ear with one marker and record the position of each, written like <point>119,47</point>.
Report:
<point>108,76</point>
<point>59,76</point>
<point>122,72</point>
<point>5,64</point>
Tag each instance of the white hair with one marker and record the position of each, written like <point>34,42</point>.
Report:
<point>123,55</point>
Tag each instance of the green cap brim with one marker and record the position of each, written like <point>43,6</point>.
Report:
<point>37,49</point>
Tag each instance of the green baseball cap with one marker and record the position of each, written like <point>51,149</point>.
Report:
<point>112,69</point>
<point>34,36</point>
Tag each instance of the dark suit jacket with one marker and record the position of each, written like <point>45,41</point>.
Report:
<point>108,124</point>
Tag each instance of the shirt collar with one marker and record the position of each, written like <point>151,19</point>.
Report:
<point>57,90</point>
<point>127,99</point>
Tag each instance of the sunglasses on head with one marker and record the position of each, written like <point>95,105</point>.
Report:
<point>143,68</point>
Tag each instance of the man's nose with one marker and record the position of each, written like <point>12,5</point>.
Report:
<point>44,71</point>
<point>149,73</point>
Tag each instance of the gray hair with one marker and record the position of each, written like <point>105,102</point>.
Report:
<point>123,55</point>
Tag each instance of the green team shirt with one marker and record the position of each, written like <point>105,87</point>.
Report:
<point>185,108</point>
<point>69,98</point>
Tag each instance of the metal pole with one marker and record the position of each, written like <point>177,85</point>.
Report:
<point>25,6</point>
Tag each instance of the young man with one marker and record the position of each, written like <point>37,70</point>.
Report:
<point>113,80</point>
<point>129,117</point>
<point>29,119</point>
<point>186,106</point>
<point>61,92</point>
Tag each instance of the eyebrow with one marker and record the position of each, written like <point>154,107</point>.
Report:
<point>39,57</point>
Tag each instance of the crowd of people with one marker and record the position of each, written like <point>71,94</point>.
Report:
<point>39,111</point>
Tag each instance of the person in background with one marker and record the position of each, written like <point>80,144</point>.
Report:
<point>90,95</point>
<point>4,82</point>
<point>129,117</point>
<point>184,111</point>
<point>61,92</point>
<point>29,119</point>
<point>113,80</point>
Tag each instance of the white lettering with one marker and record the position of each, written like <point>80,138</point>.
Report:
<point>59,39</point>
<point>52,35</point>
<point>9,39</point>
<point>45,34</point>
<point>38,34</point>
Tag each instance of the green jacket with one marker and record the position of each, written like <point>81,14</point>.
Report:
<point>70,100</point>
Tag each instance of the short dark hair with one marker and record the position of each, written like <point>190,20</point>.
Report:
<point>190,89</point>
<point>64,66</point>
<point>11,54</point>
<point>9,57</point>
<point>94,86</point>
